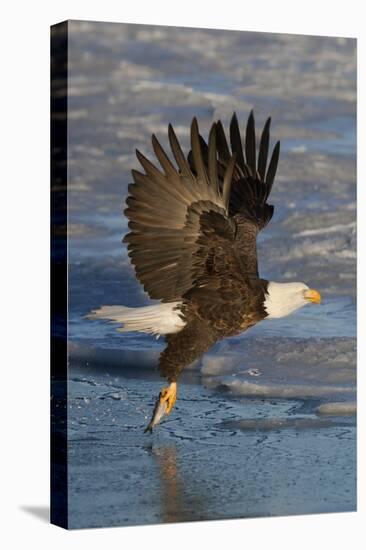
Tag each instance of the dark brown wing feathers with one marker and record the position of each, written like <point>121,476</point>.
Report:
<point>197,153</point>
<point>226,186</point>
<point>180,159</point>
<point>272,168</point>
<point>263,150</point>
<point>222,146</point>
<point>236,144</point>
<point>198,220</point>
<point>212,159</point>
<point>250,145</point>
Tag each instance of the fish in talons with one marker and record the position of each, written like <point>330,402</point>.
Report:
<point>163,406</point>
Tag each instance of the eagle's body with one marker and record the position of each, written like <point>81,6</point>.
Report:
<point>211,313</point>
<point>192,242</point>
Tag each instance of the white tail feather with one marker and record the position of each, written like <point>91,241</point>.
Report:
<point>157,319</point>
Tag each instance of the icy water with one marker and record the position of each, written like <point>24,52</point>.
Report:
<point>265,424</point>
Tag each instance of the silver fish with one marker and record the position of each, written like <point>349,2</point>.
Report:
<point>158,413</point>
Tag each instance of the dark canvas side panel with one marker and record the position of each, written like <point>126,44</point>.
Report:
<point>59,489</point>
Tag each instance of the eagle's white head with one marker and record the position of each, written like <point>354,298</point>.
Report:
<point>285,298</point>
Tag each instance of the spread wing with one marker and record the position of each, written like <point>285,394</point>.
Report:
<point>252,180</point>
<point>199,219</point>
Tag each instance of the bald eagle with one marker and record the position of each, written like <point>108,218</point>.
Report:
<point>192,241</point>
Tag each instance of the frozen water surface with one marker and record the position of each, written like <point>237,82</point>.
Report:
<point>215,458</point>
<point>265,422</point>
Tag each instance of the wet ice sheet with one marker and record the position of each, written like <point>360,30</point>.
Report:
<point>322,369</point>
<point>270,458</point>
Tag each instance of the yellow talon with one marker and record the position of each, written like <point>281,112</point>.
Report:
<point>163,406</point>
<point>170,395</point>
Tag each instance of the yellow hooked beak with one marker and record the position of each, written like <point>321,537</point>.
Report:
<point>313,296</point>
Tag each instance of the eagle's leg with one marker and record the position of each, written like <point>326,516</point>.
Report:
<point>183,348</point>
<point>169,395</point>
